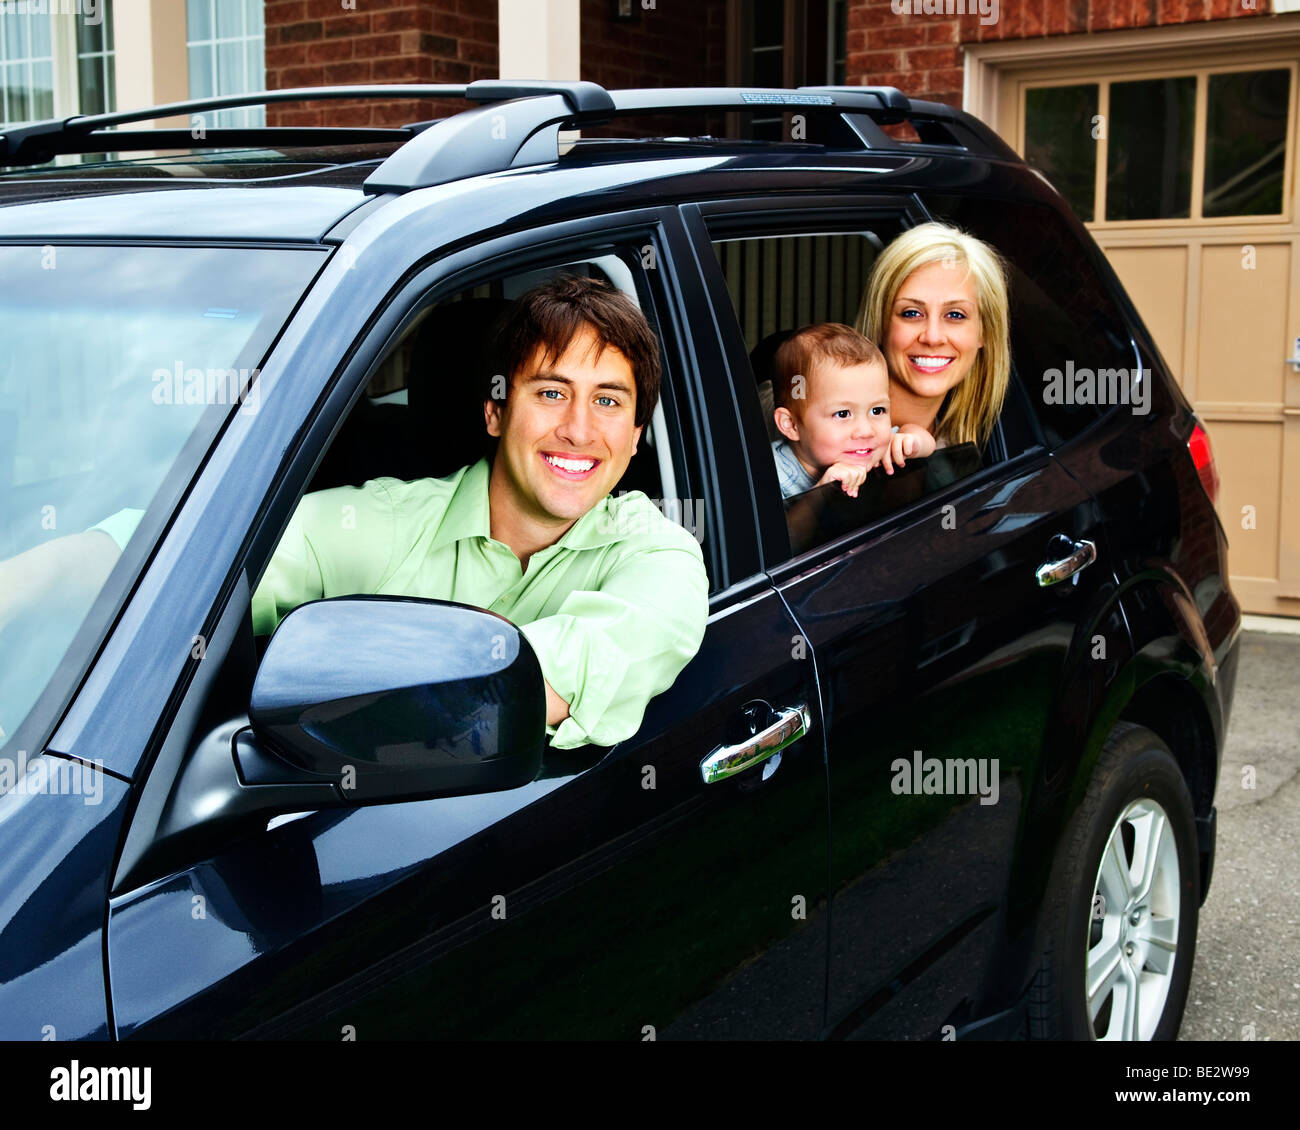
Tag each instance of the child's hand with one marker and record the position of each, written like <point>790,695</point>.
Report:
<point>907,444</point>
<point>850,476</point>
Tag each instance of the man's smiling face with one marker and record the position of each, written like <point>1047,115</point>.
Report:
<point>567,432</point>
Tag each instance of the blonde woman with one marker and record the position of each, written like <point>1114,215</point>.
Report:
<point>936,303</point>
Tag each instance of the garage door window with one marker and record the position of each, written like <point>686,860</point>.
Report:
<point>1188,146</point>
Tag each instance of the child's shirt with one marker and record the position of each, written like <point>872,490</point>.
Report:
<point>790,472</point>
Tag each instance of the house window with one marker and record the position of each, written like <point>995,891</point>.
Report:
<point>1185,146</point>
<point>1246,142</point>
<point>1149,149</point>
<point>55,61</point>
<point>227,55</point>
<point>767,61</point>
<point>95,54</point>
<point>1056,117</point>
<point>837,34</point>
<point>786,44</point>
<point>26,66</point>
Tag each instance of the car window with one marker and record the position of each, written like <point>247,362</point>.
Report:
<point>430,384</point>
<point>1070,349</point>
<point>117,366</point>
<point>779,283</point>
<point>421,413</point>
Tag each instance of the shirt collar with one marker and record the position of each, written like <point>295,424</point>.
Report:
<point>468,515</point>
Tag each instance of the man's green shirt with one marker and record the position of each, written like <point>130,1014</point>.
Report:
<point>614,609</point>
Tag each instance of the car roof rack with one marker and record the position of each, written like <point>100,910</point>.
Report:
<point>525,131</point>
<point>516,123</point>
<point>39,142</point>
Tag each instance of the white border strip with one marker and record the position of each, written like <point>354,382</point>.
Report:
<point>1283,625</point>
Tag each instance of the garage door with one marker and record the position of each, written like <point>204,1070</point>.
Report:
<point>1182,164</point>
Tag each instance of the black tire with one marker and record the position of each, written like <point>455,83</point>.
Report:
<point>1135,765</point>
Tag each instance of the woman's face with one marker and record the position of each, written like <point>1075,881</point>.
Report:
<point>933,335</point>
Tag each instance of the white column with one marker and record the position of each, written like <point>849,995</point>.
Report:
<point>539,39</point>
<point>151,62</point>
<point>67,91</point>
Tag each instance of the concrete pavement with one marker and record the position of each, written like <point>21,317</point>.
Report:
<point>1246,979</point>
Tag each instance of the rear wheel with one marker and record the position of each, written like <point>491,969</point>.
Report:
<point>1119,922</point>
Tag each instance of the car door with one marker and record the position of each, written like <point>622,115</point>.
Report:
<point>934,646</point>
<point>617,896</point>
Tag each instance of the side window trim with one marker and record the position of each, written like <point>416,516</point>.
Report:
<point>821,555</point>
<point>773,217</point>
<point>347,384</point>
<point>457,271</point>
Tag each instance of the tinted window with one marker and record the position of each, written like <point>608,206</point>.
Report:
<point>1068,341</point>
<point>780,283</point>
<point>433,382</point>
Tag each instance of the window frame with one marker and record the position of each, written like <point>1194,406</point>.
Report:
<point>248,117</point>
<point>67,60</point>
<point>493,260</point>
<point>1103,76</point>
<point>43,728</point>
<point>779,217</point>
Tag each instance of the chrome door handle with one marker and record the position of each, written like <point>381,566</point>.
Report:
<point>1083,554</point>
<point>728,760</point>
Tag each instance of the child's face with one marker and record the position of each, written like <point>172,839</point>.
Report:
<point>844,418</point>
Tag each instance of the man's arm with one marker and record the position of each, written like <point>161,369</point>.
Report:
<point>557,710</point>
<point>71,569</point>
<point>338,541</point>
<point>607,652</point>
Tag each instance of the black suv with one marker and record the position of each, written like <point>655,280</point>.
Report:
<point>943,767</point>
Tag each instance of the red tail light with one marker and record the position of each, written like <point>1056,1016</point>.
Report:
<point>1198,443</point>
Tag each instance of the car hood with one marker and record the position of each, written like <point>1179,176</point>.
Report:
<point>290,212</point>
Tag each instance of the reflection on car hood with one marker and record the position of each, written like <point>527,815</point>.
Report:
<point>281,213</point>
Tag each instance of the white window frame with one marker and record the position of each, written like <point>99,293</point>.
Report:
<point>65,62</point>
<point>249,116</point>
<point>996,73</point>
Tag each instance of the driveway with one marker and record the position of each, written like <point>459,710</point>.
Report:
<point>1247,971</point>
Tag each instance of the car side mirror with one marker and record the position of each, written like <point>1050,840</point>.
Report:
<point>358,700</point>
<point>397,698</point>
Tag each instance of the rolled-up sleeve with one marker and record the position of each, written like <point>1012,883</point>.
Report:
<point>608,651</point>
<point>120,526</point>
<point>339,541</point>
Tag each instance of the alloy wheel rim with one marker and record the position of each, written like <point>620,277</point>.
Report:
<point>1132,942</point>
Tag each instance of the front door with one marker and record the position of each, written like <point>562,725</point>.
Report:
<point>619,896</point>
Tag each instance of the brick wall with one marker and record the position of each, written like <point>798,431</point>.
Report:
<point>324,43</point>
<point>921,53</point>
<point>676,43</point>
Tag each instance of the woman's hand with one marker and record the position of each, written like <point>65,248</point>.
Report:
<point>850,476</point>
<point>909,442</point>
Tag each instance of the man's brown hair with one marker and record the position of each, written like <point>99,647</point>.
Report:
<point>828,343</point>
<point>553,313</point>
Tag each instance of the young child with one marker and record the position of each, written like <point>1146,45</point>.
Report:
<point>830,388</point>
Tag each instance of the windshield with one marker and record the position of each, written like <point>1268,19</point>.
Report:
<point>117,366</point>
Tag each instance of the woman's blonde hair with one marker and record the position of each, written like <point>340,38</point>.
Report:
<point>972,406</point>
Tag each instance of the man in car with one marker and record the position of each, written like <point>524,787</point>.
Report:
<point>612,596</point>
